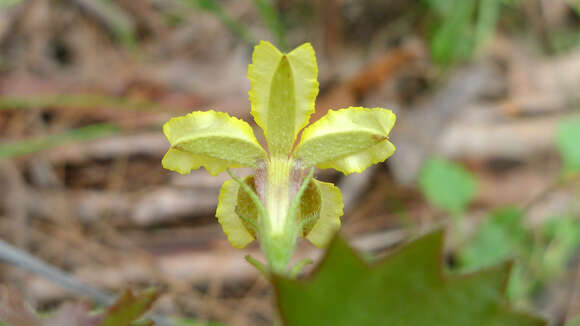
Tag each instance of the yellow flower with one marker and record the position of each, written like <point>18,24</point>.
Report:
<point>281,201</point>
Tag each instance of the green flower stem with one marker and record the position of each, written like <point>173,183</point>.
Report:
<point>281,229</point>
<point>279,248</point>
<point>277,201</point>
<point>278,227</point>
<point>278,232</point>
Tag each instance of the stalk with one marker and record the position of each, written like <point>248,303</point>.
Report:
<point>278,231</point>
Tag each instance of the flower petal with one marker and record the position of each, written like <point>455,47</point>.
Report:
<point>232,225</point>
<point>309,209</point>
<point>183,162</point>
<point>348,140</point>
<point>283,91</point>
<point>245,207</point>
<point>330,212</point>
<point>211,139</point>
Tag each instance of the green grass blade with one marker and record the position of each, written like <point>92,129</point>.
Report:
<point>487,16</point>
<point>28,146</point>
<point>270,18</point>
<point>6,4</point>
<point>88,101</point>
<point>217,9</point>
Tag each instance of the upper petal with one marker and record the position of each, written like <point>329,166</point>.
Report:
<point>211,139</point>
<point>283,91</point>
<point>348,140</point>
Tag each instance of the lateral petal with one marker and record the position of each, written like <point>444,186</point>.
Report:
<point>232,225</point>
<point>330,212</point>
<point>183,162</point>
<point>210,139</point>
<point>348,140</point>
<point>283,91</point>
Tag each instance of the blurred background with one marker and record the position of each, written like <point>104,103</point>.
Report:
<point>486,94</point>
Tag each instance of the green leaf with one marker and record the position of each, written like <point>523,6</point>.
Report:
<point>561,238</point>
<point>573,322</point>
<point>210,139</point>
<point>348,140</point>
<point>462,26</point>
<point>576,6</point>
<point>407,288</point>
<point>501,236</point>
<point>128,308</point>
<point>283,91</point>
<point>126,311</point>
<point>447,185</point>
<point>567,137</point>
<point>452,40</point>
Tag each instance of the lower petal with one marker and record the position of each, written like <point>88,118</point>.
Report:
<point>231,223</point>
<point>330,212</point>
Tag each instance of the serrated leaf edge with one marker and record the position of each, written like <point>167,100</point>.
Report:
<point>439,233</point>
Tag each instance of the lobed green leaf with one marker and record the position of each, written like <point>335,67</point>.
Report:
<point>407,288</point>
